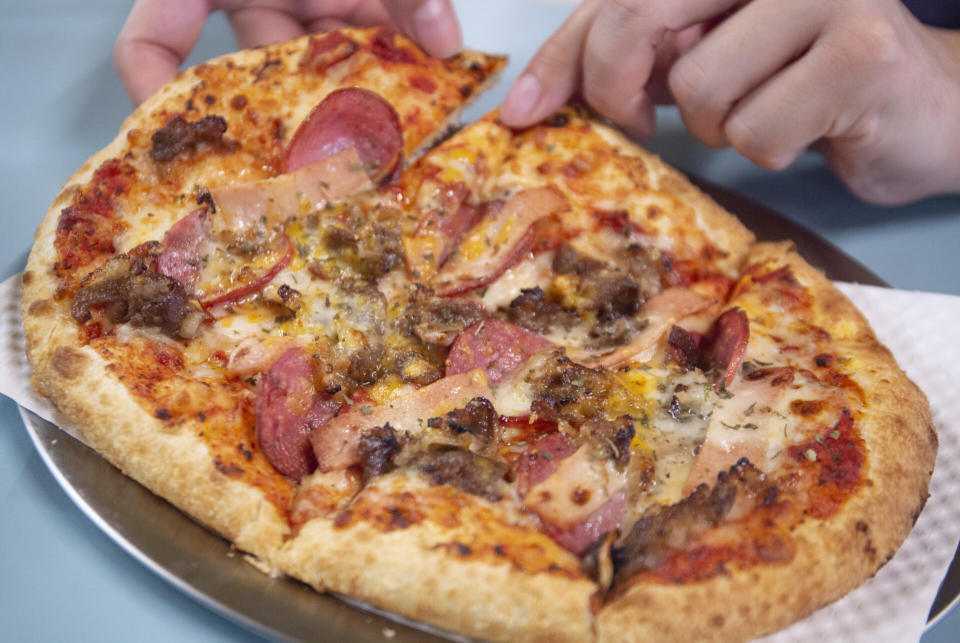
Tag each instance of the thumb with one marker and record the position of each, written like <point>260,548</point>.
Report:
<point>432,23</point>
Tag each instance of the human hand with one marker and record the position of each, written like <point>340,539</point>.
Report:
<point>861,81</point>
<point>159,34</point>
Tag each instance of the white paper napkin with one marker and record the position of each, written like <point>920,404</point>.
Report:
<point>923,332</point>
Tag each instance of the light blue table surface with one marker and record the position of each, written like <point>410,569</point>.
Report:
<point>61,578</point>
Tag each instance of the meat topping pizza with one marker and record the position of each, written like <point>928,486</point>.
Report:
<point>536,373</point>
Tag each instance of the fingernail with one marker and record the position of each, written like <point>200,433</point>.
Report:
<point>436,29</point>
<point>521,99</point>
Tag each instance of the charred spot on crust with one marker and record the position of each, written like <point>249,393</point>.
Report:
<point>41,307</point>
<point>68,362</point>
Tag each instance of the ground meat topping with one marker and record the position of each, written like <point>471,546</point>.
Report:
<point>377,448</point>
<point>180,135</point>
<point>478,418</point>
<point>438,320</point>
<point>466,471</point>
<point>127,290</point>
<point>665,528</point>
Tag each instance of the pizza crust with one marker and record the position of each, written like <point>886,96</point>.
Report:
<point>445,570</point>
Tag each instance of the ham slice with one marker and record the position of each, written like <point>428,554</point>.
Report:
<point>581,535</point>
<point>255,355</point>
<point>662,311</point>
<point>579,486</point>
<point>497,242</point>
<point>335,443</point>
<point>577,497</point>
<point>287,408</point>
<point>350,141</point>
<point>739,428</point>
<point>182,246</point>
<point>439,231</point>
<point>243,206</point>
<point>497,347</point>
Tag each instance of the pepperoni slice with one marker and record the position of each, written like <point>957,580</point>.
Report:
<point>350,118</point>
<point>497,347</point>
<point>287,409</point>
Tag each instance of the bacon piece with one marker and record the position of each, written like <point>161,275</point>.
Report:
<point>499,241</point>
<point>497,347</point>
<point>287,409</point>
<point>350,118</point>
<point>183,246</point>
<point>336,443</point>
<point>661,311</point>
<point>725,346</point>
<point>251,286</point>
<point>242,206</point>
<point>738,428</point>
<point>440,230</point>
<point>720,351</point>
<point>256,355</point>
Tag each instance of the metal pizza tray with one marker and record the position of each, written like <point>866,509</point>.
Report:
<point>205,566</point>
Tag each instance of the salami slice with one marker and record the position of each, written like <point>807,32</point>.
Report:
<point>350,118</point>
<point>497,347</point>
<point>288,408</point>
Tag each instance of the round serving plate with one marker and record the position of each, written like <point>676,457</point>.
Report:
<point>207,568</point>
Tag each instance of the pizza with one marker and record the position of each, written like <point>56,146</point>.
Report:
<point>516,384</point>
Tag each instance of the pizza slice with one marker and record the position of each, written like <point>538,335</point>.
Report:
<point>146,262</point>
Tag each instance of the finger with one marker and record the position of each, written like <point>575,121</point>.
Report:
<point>674,45</point>
<point>779,120</point>
<point>153,42</point>
<point>553,74</point>
<point>736,57</point>
<point>432,23</point>
<point>620,52</point>
<point>263,25</point>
